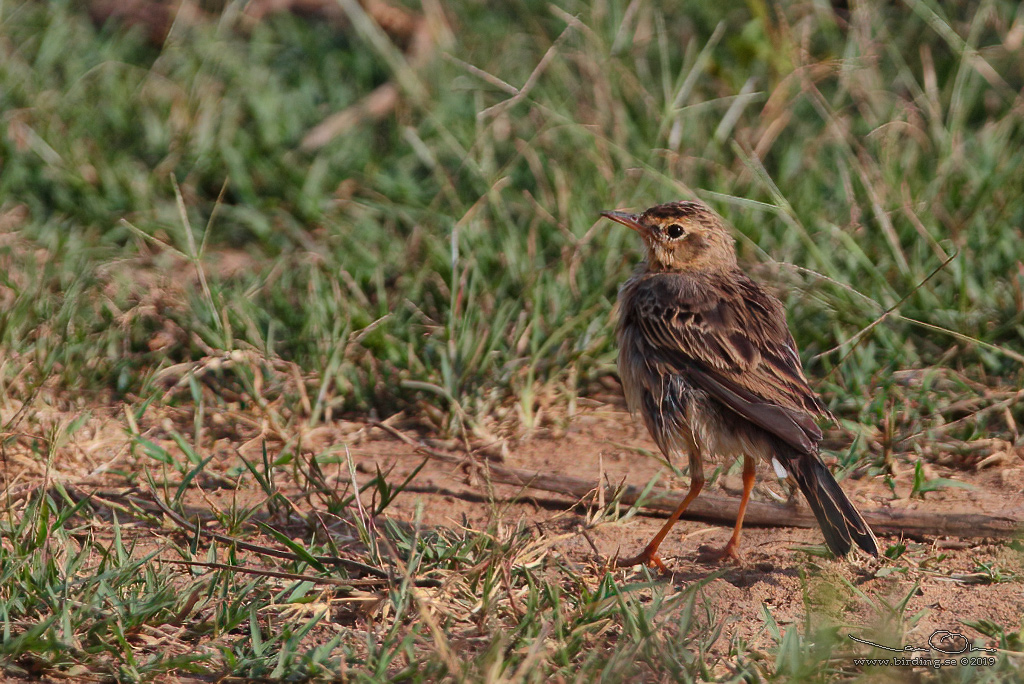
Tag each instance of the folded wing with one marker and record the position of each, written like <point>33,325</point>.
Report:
<point>731,339</point>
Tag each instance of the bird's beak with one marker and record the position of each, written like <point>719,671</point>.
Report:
<point>628,220</point>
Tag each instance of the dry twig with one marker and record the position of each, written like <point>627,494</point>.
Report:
<point>714,508</point>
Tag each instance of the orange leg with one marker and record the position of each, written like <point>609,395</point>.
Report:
<point>649,556</point>
<point>731,549</point>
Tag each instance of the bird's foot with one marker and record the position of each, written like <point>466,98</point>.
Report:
<point>647,557</point>
<point>731,552</point>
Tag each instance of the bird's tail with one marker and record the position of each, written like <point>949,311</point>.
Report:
<point>840,522</point>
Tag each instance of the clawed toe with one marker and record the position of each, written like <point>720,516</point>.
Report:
<point>646,558</point>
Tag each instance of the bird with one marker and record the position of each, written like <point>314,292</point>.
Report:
<point>707,360</point>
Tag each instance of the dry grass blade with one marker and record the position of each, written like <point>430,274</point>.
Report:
<point>855,340</point>
<point>298,577</point>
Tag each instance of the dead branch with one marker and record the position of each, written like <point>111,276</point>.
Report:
<point>717,508</point>
<point>712,508</point>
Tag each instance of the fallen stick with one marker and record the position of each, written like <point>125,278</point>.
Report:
<point>718,508</point>
<point>714,508</point>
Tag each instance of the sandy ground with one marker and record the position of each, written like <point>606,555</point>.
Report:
<point>945,577</point>
<point>947,584</point>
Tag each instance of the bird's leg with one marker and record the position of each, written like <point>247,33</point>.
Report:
<point>649,556</point>
<point>731,549</point>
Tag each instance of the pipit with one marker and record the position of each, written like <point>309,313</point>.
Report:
<point>707,360</point>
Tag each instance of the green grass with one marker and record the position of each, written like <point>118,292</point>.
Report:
<point>472,241</point>
<point>170,253</point>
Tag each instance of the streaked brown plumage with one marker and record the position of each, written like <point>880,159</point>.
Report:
<point>707,360</point>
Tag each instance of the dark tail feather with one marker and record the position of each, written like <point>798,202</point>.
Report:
<point>840,522</point>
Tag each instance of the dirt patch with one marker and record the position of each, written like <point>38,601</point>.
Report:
<point>934,584</point>
<point>944,584</point>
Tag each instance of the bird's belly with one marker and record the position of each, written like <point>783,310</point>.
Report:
<point>679,415</point>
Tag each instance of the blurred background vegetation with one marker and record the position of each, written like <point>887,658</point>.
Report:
<point>448,260</point>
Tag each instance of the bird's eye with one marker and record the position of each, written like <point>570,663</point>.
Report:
<point>675,231</point>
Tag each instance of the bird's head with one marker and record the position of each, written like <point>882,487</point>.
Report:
<point>682,237</point>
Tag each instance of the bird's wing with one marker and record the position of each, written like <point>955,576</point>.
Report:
<point>730,338</point>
